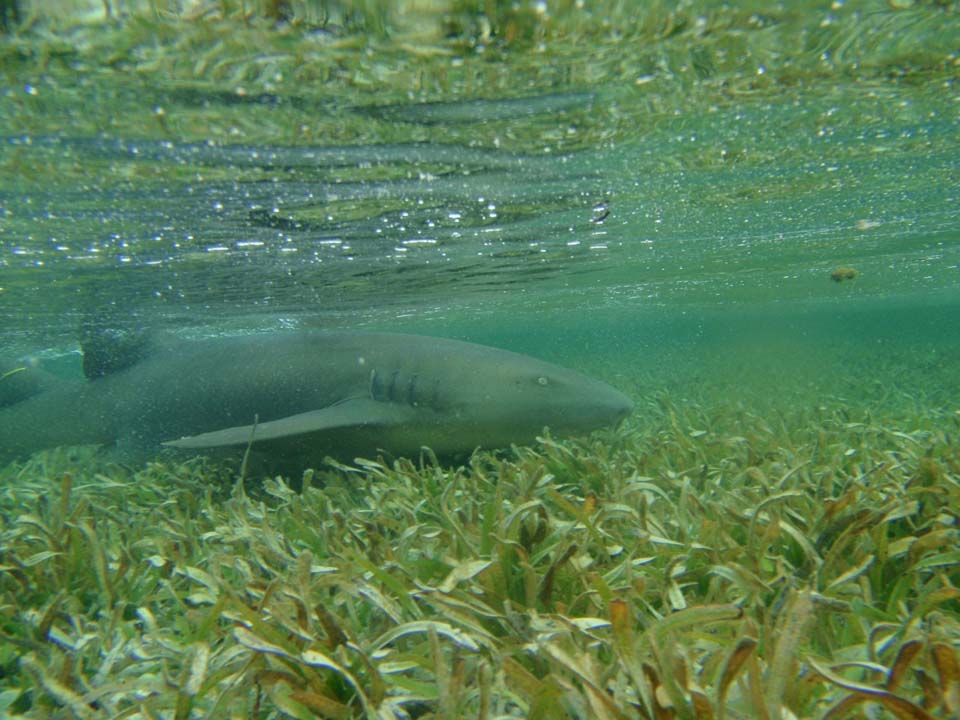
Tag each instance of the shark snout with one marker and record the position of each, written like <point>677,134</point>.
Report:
<point>606,406</point>
<point>621,407</point>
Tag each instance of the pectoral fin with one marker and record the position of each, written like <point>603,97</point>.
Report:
<point>349,413</point>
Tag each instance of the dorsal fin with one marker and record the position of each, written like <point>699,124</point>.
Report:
<point>108,350</point>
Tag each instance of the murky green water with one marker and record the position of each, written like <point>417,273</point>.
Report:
<point>602,198</point>
<point>743,215</point>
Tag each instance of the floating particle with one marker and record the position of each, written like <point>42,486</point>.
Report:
<point>841,273</point>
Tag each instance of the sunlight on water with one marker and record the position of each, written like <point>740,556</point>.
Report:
<point>674,216</point>
<point>668,193</point>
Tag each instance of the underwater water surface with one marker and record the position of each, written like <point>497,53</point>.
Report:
<point>137,204</point>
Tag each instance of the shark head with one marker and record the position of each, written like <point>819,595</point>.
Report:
<point>512,398</point>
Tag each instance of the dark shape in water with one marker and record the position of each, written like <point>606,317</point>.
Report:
<point>482,110</point>
<point>841,273</point>
<point>9,15</point>
<point>302,396</point>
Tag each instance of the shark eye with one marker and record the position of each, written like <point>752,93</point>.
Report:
<point>542,381</point>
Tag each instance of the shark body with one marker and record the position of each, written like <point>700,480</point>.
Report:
<point>311,395</point>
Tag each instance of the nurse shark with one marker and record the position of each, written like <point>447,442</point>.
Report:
<point>307,395</point>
